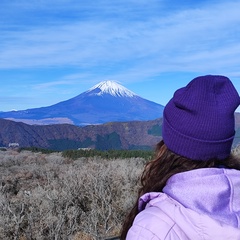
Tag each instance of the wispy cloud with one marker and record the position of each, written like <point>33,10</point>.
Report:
<point>191,36</point>
<point>46,85</point>
<point>85,42</point>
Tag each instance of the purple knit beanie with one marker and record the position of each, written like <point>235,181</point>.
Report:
<point>198,122</point>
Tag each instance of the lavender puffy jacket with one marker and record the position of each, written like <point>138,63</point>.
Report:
<point>200,204</point>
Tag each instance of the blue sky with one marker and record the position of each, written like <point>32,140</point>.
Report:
<point>51,51</point>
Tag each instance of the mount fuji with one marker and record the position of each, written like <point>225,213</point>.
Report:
<point>107,101</point>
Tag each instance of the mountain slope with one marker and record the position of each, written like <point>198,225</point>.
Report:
<point>107,101</point>
<point>118,135</point>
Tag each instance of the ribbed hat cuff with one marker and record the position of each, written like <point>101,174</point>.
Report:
<point>192,148</point>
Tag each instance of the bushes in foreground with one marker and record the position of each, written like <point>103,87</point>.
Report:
<point>47,196</point>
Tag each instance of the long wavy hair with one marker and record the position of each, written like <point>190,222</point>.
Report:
<point>164,165</point>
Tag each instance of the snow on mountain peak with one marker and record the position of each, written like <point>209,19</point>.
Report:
<point>113,88</point>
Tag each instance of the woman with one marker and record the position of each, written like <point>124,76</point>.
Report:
<point>192,188</point>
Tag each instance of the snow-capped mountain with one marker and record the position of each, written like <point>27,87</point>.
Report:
<point>107,101</point>
<point>112,88</point>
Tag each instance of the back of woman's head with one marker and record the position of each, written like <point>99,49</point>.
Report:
<point>164,165</point>
<point>198,130</point>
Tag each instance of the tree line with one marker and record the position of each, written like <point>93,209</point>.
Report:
<point>107,154</point>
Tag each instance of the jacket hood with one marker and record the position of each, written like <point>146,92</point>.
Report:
<point>211,191</point>
<point>198,204</point>
<point>166,218</point>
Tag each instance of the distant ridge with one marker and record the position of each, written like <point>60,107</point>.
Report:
<point>118,135</point>
<point>107,101</point>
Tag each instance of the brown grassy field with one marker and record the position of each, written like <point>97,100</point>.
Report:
<point>46,196</point>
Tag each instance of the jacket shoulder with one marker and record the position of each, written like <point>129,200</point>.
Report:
<point>152,223</point>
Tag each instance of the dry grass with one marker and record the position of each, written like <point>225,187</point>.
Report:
<point>45,196</point>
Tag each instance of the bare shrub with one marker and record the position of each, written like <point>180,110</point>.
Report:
<point>63,199</point>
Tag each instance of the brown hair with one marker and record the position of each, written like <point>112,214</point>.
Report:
<point>166,164</point>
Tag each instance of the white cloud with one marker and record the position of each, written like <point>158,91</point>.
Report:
<point>182,41</point>
<point>46,85</point>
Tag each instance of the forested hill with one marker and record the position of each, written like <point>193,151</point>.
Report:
<point>118,135</point>
<point>115,135</point>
